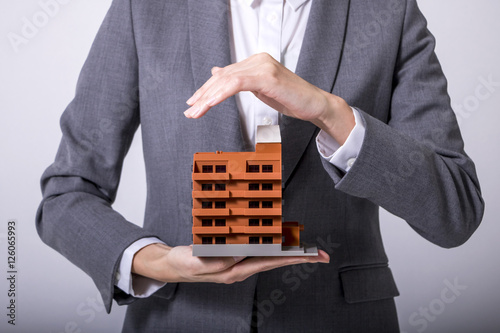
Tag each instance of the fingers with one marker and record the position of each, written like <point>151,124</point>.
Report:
<point>251,74</point>
<point>216,74</point>
<point>270,81</point>
<point>181,266</point>
<point>251,266</point>
<point>217,89</point>
<point>177,264</point>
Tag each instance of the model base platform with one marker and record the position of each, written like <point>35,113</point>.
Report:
<point>253,250</point>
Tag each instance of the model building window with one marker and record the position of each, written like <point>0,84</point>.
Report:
<point>220,204</point>
<point>206,223</point>
<point>220,222</point>
<point>206,240</point>
<point>220,169</point>
<point>253,204</point>
<point>253,240</point>
<point>253,187</point>
<point>220,187</point>
<point>253,222</point>
<point>220,240</point>
<point>267,187</point>
<point>253,168</point>
<point>207,169</point>
<point>206,187</point>
<point>267,168</point>
<point>267,240</point>
<point>206,204</point>
<point>267,204</point>
<point>267,222</point>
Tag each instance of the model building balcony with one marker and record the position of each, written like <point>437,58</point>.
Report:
<point>236,194</point>
<point>211,194</point>
<point>237,230</point>
<point>246,189</point>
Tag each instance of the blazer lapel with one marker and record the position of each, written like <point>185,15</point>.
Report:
<point>209,43</point>
<point>318,64</point>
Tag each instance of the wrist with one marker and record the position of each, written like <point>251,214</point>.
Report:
<point>149,260</point>
<point>337,120</point>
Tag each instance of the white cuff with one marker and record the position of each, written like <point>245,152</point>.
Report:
<point>137,286</point>
<point>343,157</point>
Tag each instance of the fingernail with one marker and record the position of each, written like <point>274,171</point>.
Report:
<point>190,100</point>
<point>238,259</point>
<point>192,112</point>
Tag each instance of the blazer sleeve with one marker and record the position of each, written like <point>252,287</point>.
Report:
<point>75,216</point>
<point>414,165</point>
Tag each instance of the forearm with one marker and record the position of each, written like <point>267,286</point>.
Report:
<point>412,161</point>
<point>85,230</point>
<point>434,190</point>
<point>76,217</point>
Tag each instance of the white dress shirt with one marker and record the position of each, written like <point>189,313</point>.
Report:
<point>276,27</point>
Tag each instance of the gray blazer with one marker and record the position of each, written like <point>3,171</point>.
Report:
<point>150,56</point>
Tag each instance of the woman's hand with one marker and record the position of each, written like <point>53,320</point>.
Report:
<point>279,88</point>
<point>177,264</point>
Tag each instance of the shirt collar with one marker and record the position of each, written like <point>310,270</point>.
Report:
<point>248,2</point>
<point>295,4</point>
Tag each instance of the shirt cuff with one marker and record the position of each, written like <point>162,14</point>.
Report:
<point>343,157</point>
<point>136,285</point>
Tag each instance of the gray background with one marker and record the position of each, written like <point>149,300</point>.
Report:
<point>38,79</point>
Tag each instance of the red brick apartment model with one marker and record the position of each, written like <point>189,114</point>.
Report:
<point>237,201</point>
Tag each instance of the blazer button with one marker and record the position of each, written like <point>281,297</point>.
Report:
<point>350,162</point>
<point>267,121</point>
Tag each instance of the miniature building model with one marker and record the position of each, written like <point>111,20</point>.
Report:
<point>237,201</point>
